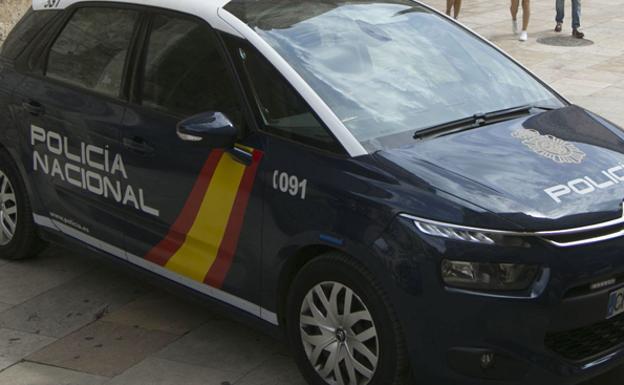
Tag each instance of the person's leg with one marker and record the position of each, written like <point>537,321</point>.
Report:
<point>560,11</point>
<point>449,6</point>
<point>526,14</point>
<point>576,14</point>
<point>515,5</point>
<point>457,8</point>
<point>576,19</point>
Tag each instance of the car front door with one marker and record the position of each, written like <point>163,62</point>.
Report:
<point>203,225</point>
<point>71,113</point>
<point>306,172</point>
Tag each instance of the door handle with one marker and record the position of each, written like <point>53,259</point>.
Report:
<point>33,107</point>
<point>138,145</point>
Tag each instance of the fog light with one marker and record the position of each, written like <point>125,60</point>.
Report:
<point>488,276</point>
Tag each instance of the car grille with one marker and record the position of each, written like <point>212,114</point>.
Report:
<point>587,342</point>
<point>581,236</point>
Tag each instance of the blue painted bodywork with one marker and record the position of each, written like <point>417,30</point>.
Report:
<point>484,177</point>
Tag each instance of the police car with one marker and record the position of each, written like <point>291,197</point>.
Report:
<point>402,200</point>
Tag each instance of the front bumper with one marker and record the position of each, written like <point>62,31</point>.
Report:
<point>560,337</point>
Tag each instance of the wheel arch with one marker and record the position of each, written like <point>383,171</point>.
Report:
<point>294,263</point>
<point>30,190</point>
<point>303,255</point>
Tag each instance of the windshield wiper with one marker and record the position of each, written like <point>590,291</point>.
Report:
<point>476,120</point>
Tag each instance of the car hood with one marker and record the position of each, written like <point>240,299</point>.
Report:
<point>553,170</point>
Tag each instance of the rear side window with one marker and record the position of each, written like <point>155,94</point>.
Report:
<point>25,31</point>
<point>184,72</point>
<point>91,50</point>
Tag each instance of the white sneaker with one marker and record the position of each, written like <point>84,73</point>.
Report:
<point>514,27</point>
<point>524,36</point>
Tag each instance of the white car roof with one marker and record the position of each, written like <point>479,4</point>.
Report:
<point>205,9</point>
<point>179,5</point>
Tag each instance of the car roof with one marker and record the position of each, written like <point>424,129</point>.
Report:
<point>179,5</point>
<point>205,9</point>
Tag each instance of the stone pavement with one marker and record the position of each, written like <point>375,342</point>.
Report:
<point>592,76</point>
<point>69,319</point>
<point>72,319</point>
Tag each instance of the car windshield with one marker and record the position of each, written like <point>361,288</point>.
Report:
<point>389,69</point>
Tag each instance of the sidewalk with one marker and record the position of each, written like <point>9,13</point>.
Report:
<point>67,319</point>
<point>592,76</point>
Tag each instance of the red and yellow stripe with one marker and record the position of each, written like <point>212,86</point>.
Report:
<point>202,242</point>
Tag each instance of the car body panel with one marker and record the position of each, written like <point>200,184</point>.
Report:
<point>238,232</point>
<point>508,169</point>
<point>209,206</point>
<point>83,129</point>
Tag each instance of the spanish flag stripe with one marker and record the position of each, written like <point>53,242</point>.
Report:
<point>162,252</point>
<point>196,256</point>
<point>227,249</point>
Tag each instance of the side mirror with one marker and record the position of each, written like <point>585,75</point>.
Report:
<point>214,127</point>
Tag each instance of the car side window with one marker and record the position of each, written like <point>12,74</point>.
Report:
<point>184,73</point>
<point>91,50</point>
<point>283,111</point>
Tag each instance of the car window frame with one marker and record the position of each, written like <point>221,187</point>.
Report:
<point>246,85</point>
<point>41,66</point>
<point>138,66</point>
<point>54,15</point>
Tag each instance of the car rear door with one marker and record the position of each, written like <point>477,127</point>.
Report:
<point>71,112</point>
<point>204,224</point>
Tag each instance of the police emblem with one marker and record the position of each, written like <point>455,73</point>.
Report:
<point>549,146</point>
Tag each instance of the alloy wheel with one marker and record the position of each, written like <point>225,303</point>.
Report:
<point>8,210</point>
<point>338,334</point>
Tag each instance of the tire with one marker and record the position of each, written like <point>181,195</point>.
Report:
<point>366,338</point>
<point>18,232</point>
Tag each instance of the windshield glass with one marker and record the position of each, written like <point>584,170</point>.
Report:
<point>389,69</point>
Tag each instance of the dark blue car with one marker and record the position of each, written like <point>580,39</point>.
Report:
<point>396,196</point>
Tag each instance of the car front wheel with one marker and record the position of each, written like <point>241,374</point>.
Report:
<point>341,327</point>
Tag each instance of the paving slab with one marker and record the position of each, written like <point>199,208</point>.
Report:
<point>224,345</point>
<point>279,370</point>
<point>160,311</point>
<point>15,345</point>
<point>74,304</point>
<point>615,65</point>
<point>4,307</point>
<point>158,371</point>
<point>576,87</point>
<point>30,373</point>
<point>103,348</point>
<point>23,280</point>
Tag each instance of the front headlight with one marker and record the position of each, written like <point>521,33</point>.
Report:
<point>459,234</point>
<point>488,276</point>
<point>468,234</point>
